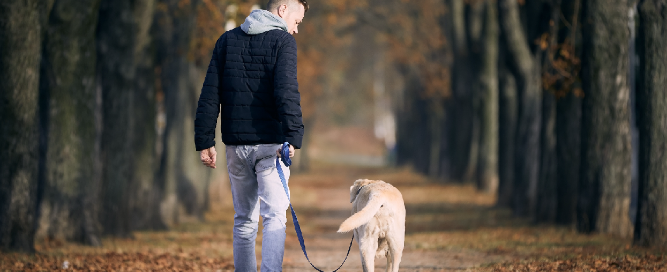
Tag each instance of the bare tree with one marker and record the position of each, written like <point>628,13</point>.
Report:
<point>70,190</point>
<point>546,202</point>
<point>651,224</point>
<point>604,197</point>
<point>506,133</point>
<point>488,159</point>
<point>568,120</point>
<point>181,177</point>
<point>527,148</point>
<point>126,83</point>
<point>20,53</point>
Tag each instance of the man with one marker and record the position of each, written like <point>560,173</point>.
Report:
<point>252,80</point>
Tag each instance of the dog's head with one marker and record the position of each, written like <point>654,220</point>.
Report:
<point>354,189</point>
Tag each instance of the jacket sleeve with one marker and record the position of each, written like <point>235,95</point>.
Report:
<point>286,93</point>
<point>208,106</point>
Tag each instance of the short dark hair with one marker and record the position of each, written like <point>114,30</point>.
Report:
<point>273,4</point>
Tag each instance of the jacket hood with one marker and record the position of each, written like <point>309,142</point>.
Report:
<point>260,21</point>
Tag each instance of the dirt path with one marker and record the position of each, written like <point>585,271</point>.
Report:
<point>321,200</point>
<point>448,228</point>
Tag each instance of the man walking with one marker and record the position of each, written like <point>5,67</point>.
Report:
<point>252,80</point>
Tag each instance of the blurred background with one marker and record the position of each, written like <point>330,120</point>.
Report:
<point>536,103</point>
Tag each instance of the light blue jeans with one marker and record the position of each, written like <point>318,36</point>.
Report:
<point>257,190</point>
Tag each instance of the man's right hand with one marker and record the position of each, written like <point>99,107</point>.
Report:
<point>291,151</point>
<point>207,157</point>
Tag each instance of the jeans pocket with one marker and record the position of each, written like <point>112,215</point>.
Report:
<point>235,164</point>
<point>265,164</point>
<point>266,157</point>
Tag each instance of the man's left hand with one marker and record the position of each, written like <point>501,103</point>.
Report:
<point>207,157</point>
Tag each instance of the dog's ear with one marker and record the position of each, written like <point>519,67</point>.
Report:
<point>353,192</point>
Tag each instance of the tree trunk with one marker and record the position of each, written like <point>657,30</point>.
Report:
<point>304,160</point>
<point>146,192</point>
<point>469,67</point>
<point>71,186</point>
<point>568,152</point>
<point>604,198</point>
<point>436,116</point>
<point>126,82</point>
<point>458,26</point>
<point>20,53</point>
<point>460,150</point>
<point>488,77</point>
<point>568,129</point>
<point>527,151</point>
<point>412,134</point>
<point>651,224</point>
<point>506,138</point>
<point>547,190</point>
<point>184,179</point>
<point>548,182</point>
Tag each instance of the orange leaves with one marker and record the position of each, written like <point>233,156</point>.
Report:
<point>112,261</point>
<point>210,24</point>
<point>645,262</point>
<point>562,72</point>
<point>209,27</point>
<point>183,3</point>
<point>417,39</point>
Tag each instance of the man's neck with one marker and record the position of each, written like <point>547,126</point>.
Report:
<point>275,12</point>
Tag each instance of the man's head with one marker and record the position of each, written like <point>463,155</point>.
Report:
<point>292,11</point>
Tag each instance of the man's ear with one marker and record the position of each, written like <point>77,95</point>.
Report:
<point>282,11</point>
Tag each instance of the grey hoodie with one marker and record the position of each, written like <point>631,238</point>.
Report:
<point>260,21</point>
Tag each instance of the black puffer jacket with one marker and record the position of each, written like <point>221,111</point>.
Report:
<point>252,79</point>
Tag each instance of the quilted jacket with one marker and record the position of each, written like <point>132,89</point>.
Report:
<point>251,81</point>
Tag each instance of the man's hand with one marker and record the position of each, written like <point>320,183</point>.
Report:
<point>291,151</point>
<point>207,157</point>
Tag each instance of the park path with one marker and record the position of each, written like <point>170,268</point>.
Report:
<point>321,200</point>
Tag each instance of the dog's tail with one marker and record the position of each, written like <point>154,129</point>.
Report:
<point>363,216</point>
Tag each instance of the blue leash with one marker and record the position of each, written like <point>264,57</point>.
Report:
<point>284,155</point>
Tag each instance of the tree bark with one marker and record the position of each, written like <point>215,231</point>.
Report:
<point>436,116</point>
<point>527,151</point>
<point>69,207</point>
<point>651,224</point>
<point>548,187</point>
<point>468,112</point>
<point>458,26</point>
<point>488,77</point>
<point>182,176</point>
<point>604,198</point>
<point>506,138</point>
<point>411,132</point>
<point>568,152</point>
<point>20,53</point>
<point>548,182</point>
<point>461,126</point>
<point>568,130</point>
<point>126,81</point>
<point>146,192</point>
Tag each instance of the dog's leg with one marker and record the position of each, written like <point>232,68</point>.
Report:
<point>383,251</point>
<point>368,245</point>
<point>368,258</point>
<point>396,253</point>
<point>390,261</point>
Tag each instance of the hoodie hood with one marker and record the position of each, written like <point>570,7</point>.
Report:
<point>260,21</point>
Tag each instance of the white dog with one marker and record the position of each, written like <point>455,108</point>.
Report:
<point>378,220</point>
